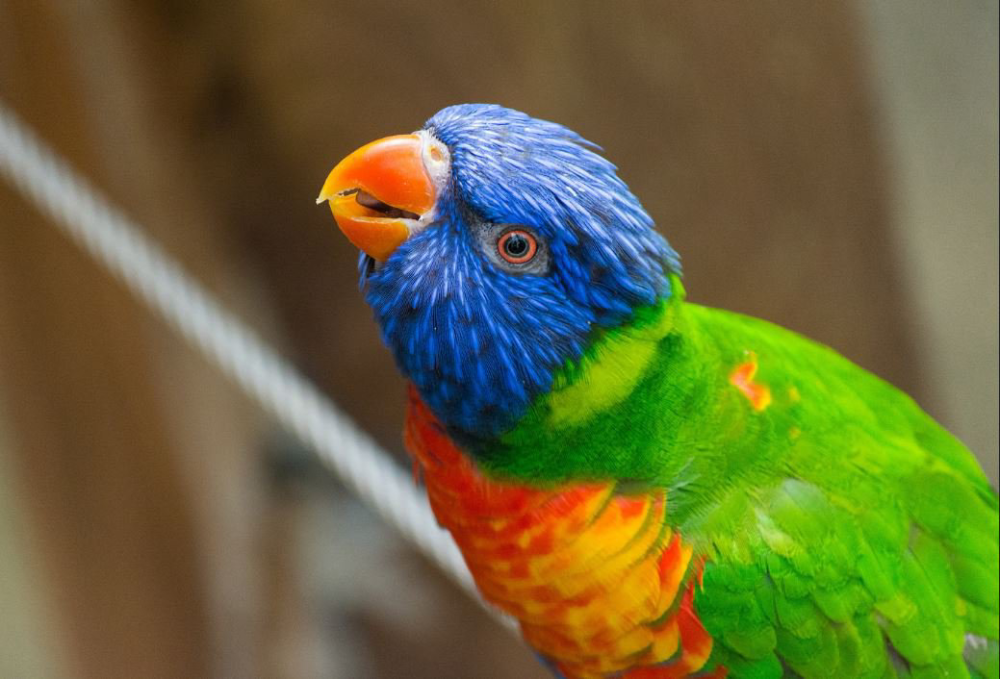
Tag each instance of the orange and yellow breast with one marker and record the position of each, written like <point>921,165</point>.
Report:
<point>594,577</point>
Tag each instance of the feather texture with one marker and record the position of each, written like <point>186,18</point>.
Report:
<point>842,532</point>
<point>597,579</point>
<point>654,488</point>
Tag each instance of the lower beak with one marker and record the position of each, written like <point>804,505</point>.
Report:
<point>378,192</point>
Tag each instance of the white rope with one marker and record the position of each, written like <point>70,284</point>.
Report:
<point>118,243</point>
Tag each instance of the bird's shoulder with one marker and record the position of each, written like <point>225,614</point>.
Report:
<point>871,543</point>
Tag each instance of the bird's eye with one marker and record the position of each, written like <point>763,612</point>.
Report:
<point>517,246</point>
<point>515,249</point>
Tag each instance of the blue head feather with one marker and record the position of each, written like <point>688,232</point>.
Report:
<point>478,342</point>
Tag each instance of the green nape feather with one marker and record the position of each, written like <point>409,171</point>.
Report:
<point>845,533</point>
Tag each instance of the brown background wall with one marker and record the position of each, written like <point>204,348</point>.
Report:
<point>818,165</point>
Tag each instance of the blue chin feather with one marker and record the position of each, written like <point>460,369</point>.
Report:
<point>480,342</point>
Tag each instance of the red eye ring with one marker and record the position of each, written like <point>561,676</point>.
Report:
<point>517,246</point>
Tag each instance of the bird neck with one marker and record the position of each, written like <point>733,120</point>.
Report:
<point>608,412</point>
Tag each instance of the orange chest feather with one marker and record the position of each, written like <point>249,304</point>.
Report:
<point>593,576</point>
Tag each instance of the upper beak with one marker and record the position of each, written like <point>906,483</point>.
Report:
<point>376,192</point>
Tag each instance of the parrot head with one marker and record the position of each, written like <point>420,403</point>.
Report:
<point>495,248</point>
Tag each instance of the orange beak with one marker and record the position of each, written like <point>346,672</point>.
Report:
<point>378,191</point>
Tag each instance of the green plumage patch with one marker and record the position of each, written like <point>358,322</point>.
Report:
<point>846,533</point>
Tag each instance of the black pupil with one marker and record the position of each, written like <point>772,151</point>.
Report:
<point>516,245</point>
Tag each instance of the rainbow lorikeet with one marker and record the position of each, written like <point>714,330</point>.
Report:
<point>651,487</point>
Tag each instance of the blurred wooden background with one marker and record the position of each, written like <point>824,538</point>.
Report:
<point>827,166</point>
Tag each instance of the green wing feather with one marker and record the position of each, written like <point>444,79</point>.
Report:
<point>872,551</point>
<point>845,533</point>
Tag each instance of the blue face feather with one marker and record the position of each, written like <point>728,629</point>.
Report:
<point>478,336</point>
